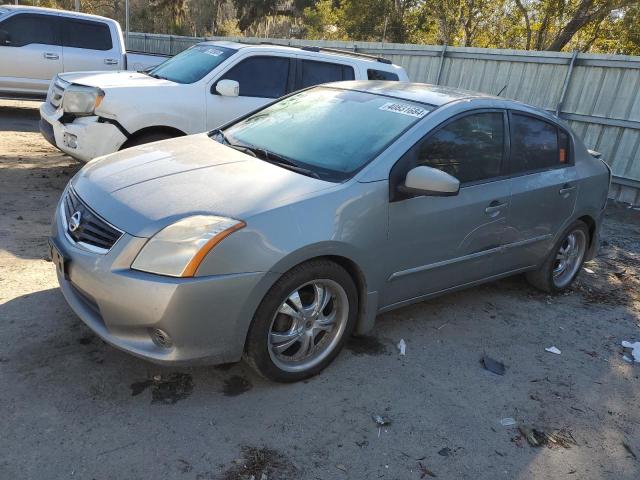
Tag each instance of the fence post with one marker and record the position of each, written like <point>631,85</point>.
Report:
<point>442,54</point>
<point>565,86</point>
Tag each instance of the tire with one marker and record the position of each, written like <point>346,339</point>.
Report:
<point>146,138</point>
<point>303,322</point>
<point>550,277</point>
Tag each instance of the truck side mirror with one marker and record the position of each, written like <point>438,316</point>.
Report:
<point>227,88</point>
<point>5,39</point>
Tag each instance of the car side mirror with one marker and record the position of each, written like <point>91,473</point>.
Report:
<point>5,39</point>
<point>228,88</point>
<point>429,181</point>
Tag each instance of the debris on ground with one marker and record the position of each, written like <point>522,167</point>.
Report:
<point>260,463</point>
<point>588,270</point>
<point>381,420</point>
<point>628,448</point>
<point>402,346</point>
<point>552,349</point>
<point>537,437</point>
<point>493,365</point>
<point>424,471</point>
<point>444,452</point>
<point>507,422</point>
<point>339,466</point>
<point>633,349</point>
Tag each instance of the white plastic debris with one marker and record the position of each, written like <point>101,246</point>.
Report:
<point>555,350</point>
<point>588,270</point>
<point>402,346</point>
<point>635,349</point>
<point>507,422</point>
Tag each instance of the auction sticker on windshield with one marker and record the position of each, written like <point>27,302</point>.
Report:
<point>404,109</point>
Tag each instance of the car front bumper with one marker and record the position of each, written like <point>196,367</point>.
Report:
<point>206,318</point>
<point>84,138</point>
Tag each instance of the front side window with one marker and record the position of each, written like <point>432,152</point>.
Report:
<point>263,77</point>
<point>315,73</point>
<point>26,29</point>
<point>470,148</point>
<point>380,75</point>
<point>331,131</point>
<point>192,64</point>
<point>535,144</point>
<point>89,35</point>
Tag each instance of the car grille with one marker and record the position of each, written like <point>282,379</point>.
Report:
<point>85,227</point>
<point>56,92</point>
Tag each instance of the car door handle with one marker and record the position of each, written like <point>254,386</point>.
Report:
<point>494,208</point>
<point>51,56</point>
<point>110,61</point>
<point>566,190</point>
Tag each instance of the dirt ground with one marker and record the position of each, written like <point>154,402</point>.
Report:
<point>73,407</point>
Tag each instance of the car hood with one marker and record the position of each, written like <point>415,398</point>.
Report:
<point>106,80</point>
<point>143,189</point>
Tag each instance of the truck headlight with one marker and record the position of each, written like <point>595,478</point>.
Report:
<point>81,100</point>
<point>178,250</point>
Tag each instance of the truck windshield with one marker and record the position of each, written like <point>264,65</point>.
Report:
<point>329,131</point>
<point>192,64</point>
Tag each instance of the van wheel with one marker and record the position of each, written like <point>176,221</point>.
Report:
<point>303,322</point>
<point>146,138</point>
<point>561,268</point>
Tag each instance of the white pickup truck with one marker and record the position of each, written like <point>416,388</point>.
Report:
<point>91,114</point>
<point>38,43</point>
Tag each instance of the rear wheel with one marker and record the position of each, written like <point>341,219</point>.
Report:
<point>303,322</point>
<point>563,265</point>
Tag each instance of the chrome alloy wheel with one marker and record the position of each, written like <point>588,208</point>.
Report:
<point>308,325</point>
<point>569,258</point>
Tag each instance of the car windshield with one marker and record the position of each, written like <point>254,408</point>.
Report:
<point>328,131</point>
<point>192,64</point>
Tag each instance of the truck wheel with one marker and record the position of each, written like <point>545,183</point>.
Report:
<point>562,266</point>
<point>146,138</point>
<point>302,322</point>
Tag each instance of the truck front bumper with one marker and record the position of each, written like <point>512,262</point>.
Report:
<point>83,138</point>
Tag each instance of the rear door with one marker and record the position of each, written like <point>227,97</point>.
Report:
<point>89,45</point>
<point>30,53</point>
<point>262,79</point>
<point>440,242</point>
<point>544,187</point>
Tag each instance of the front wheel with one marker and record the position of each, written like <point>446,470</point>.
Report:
<point>303,322</point>
<point>563,265</point>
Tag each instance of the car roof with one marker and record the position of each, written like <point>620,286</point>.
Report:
<point>381,64</point>
<point>30,9</point>
<point>438,95</point>
<point>435,95</point>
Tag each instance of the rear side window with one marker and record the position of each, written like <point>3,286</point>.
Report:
<point>88,35</point>
<point>315,73</point>
<point>381,75</point>
<point>536,144</point>
<point>264,77</point>
<point>26,29</point>
<point>470,148</point>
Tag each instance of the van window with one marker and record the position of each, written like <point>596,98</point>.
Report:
<point>261,76</point>
<point>88,35</point>
<point>315,73</point>
<point>27,28</point>
<point>381,75</point>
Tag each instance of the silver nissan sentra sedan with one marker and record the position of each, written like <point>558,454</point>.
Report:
<point>277,236</point>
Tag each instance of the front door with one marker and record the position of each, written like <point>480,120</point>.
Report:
<point>544,188</point>
<point>30,53</point>
<point>442,242</point>
<point>262,79</point>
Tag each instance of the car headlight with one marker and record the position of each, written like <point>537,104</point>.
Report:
<point>178,250</point>
<point>81,100</point>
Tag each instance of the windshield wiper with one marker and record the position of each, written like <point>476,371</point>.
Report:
<point>263,154</point>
